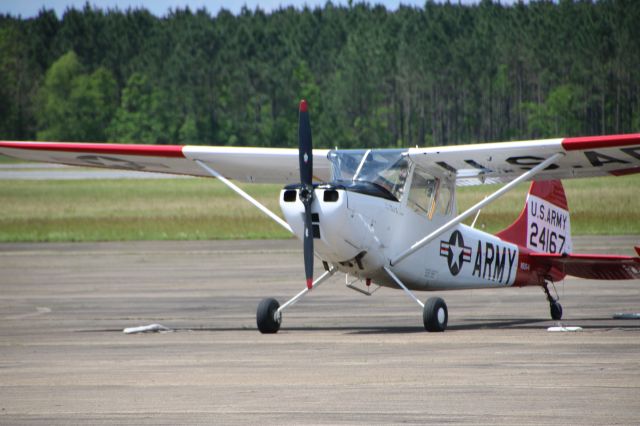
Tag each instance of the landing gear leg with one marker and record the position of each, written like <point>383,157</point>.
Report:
<point>434,313</point>
<point>554,306</point>
<point>269,314</point>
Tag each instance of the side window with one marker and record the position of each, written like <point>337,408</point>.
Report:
<point>444,198</point>
<point>422,192</point>
<point>429,195</point>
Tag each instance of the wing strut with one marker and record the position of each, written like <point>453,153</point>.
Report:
<point>246,196</point>
<point>402,286</point>
<point>471,210</point>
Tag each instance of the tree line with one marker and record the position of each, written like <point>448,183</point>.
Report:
<point>436,75</point>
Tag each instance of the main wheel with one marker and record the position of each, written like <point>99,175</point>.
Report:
<point>556,311</point>
<point>435,314</point>
<point>266,316</point>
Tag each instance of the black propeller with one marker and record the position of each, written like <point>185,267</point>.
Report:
<point>305,154</point>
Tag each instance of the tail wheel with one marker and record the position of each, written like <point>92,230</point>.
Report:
<point>556,311</point>
<point>267,317</point>
<point>554,306</point>
<point>435,315</point>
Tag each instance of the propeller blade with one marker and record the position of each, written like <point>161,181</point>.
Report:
<point>305,150</point>
<point>305,146</point>
<point>308,247</point>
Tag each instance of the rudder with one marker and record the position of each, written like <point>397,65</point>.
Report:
<point>543,224</point>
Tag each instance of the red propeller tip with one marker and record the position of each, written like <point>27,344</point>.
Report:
<point>303,106</point>
<point>309,283</point>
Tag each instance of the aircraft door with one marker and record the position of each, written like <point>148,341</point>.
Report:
<point>431,196</point>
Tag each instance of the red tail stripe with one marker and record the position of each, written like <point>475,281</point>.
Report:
<point>551,191</point>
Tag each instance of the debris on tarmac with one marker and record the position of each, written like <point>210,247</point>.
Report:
<point>151,328</point>
<point>562,328</point>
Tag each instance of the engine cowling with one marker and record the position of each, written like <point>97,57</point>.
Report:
<point>342,236</point>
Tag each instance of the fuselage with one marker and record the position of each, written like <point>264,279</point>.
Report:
<point>360,233</point>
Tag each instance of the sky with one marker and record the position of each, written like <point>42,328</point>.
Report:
<point>30,8</point>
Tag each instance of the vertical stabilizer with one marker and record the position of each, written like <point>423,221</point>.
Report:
<point>543,224</point>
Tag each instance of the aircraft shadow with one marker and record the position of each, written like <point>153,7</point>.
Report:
<point>484,324</point>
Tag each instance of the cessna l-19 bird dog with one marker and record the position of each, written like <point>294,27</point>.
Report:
<point>389,216</point>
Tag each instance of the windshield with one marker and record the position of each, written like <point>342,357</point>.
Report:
<point>387,168</point>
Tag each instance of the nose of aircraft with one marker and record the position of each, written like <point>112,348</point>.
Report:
<point>333,232</point>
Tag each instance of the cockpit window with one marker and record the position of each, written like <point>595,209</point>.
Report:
<point>345,163</point>
<point>385,168</point>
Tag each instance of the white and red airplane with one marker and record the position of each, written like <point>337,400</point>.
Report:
<point>389,216</point>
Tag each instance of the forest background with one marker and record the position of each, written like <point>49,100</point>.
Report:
<point>438,75</point>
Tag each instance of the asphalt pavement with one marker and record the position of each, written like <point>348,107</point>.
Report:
<point>340,357</point>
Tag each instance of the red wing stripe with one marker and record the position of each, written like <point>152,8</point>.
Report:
<point>174,151</point>
<point>593,142</point>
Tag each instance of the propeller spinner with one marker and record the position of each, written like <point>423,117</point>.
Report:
<point>305,153</point>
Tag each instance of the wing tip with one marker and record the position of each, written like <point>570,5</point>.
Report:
<point>98,148</point>
<point>605,141</point>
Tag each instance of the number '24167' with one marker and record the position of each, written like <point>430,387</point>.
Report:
<point>546,239</point>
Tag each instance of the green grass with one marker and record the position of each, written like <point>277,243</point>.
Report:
<point>192,209</point>
<point>136,209</point>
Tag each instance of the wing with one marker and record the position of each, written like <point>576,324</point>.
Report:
<point>469,164</point>
<point>262,165</point>
<point>502,162</point>
<point>592,266</point>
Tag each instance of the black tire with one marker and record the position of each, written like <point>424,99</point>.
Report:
<point>265,316</point>
<point>556,311</point>
<point>435,315</point>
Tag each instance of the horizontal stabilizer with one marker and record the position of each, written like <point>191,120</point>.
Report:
<point>591,266</point>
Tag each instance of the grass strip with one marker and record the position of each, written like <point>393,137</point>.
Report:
<point>202,209</point>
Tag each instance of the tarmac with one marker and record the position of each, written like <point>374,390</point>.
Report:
<point>340,357</point>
